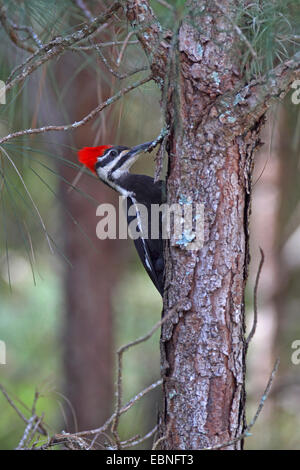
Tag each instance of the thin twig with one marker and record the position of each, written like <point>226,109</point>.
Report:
<point>67,437</point>
<point>114,72</point>
<point>124,46</point>
<point>71,441</point>
<point>125,348</point>
<point>21,66</point>
<point>246,433</point>
<point>59,45</point>
<point>10,29</point>
<point>162,438</point>
<point>293,37</point>
<point>35,400</point>
<point>19,413</point>
<point>30,32</point>
<point>135,442</point>
<point>253,329</point>
<point>84,120</point>
<point>162,139</point>
<point>237,29</point>
<point>92,443</point>
<point>165,4</point>
<point>159,139</point>
<point>123,410</point>
<point>72,48</point>
<point>28,429</point>
<point>39,420</point>
<point>82,6</point>
<point>102,44</point>
<point>140,395</point>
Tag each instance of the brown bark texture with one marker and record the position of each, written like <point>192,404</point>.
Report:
<point>215,121</point>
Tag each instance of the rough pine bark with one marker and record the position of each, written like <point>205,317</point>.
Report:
<point>215,120</point>
<point>204,351</point>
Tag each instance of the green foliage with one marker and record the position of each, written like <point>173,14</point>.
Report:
<point>30,322</point>
<point>48,19</point>
<point>273,29</point>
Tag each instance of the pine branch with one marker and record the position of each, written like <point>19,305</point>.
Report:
<point>83,7</point>
<point>84,120</point>
<point>253,329</point>
<point>275,84</point>
<point>240,109</point>
<point>263,399</point>
<point>237,29</point>
<point>153,39</point>
<point>181,305</point>
<point>41,429</point>
<point>114,72</point>
<point>11,30</point>
<point>59,45</point>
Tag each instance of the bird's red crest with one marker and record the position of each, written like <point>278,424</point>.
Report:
<point>88,155</point>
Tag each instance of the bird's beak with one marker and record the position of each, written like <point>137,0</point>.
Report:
<point>139,149</point>
<point>132,155</point>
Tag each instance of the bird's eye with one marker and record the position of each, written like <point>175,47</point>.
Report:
<point>113,153</point>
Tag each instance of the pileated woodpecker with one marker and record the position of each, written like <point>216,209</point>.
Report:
<point>112,164</point>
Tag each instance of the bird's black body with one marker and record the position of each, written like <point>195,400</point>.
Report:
<point>112,168</point>
<point>149,250</point>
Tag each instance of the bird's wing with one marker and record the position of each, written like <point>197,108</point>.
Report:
<point>146,250</point>
<point>142,247</point>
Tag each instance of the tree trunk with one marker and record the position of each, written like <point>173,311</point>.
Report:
<point>209,165</point>
<point>205,349</point>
